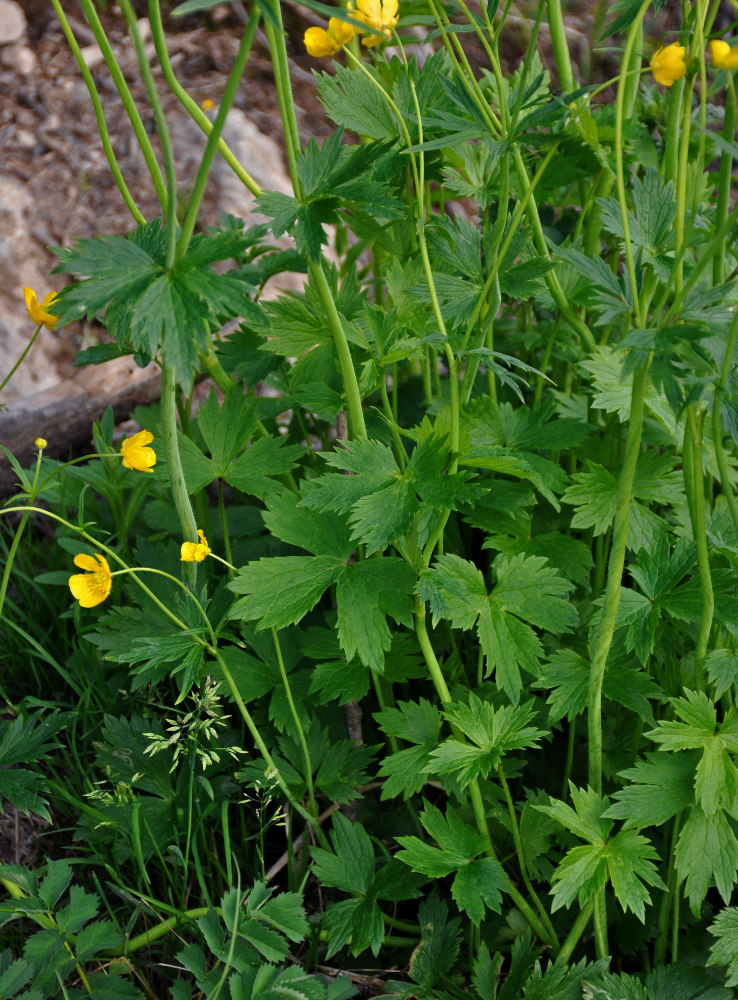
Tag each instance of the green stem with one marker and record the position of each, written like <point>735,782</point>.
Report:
<point>616,564</point>
<point>717,423</point>
<point>600,924</point>
<point>480,816</point>
<point>170,209</point>
<point>18,534</point>
<point>22,357</point>
<point>695,485</point>
<point>681,187</point>
<point>298,724</point>
<point>174,464</point>
<point>659,954</point>
<point>199,116</point>
<point>609,612</point>
<point>350,383</point>
<point>399,450</point>
<point>560,46</point>
<point>129,103</point>
<point>725,180</point>
<point>211,147</point>
<point>633,33</point>
<point>554,286</point>
<point>262,747</point>
<point>278,49</point>
<point>578,928</point>
<point>521,857</point>
<point>102,127</point>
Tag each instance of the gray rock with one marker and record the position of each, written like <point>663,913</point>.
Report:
<point>12,22</point>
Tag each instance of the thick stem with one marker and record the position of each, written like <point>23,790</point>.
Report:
<point>211,147</point>
<point>717,424</point>
<point>635,31</point>
<point>694,484</point>
<point>560,47</point>
<point>725,180</point>
<point>180,494</point>
<point>609,612</point>
<point>345,361</point>
<point>199,116</point>
<point>578,928</point>
<point>170,206</point>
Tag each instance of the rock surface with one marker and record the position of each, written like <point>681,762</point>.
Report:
<point>12,22</point>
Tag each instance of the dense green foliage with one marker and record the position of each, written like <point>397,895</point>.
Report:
<point>446,683</point>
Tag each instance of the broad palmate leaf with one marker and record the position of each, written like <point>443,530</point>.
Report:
<point>528,594</point>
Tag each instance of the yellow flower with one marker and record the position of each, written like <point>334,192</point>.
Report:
<point>92,587</point>
<point>381,15</point>
<point>207,104</point>
<point>722,55</point>
<point>41,443</point>
<point>321,43</point>
<point>38,313</point>
<point>668,64</point>
<point>195,551</point>
<point>136,455</point>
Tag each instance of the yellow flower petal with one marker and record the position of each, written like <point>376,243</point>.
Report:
<point>320,44</point>
<point>667,64</point>
<point>39,313</point>
<point>723,56</point>
<point>136,456</point>
<point>339,30</point>
<point>94,586</point>
<point>195,551</point>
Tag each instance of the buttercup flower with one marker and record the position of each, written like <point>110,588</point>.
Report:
<point>41,443</point>
<point>195,551</point>
<point>38,313</point>
<point>668,64</point>
<point>136,455</point>
<point>722,55</point>
<point>92,587</point>
<point>381,15</point>
<point>321,43</point>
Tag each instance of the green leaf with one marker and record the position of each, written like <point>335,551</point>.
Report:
<point>358,921</point>
<point>226,428</point>
<point>716,779</point>
<point>527,591</point>
<point>707,855</point>
<point>253,470</point>
<point>478,883</point>
<point>725,950</point>
<point>366,593</point>
<point>102,935</point>
<point>350,865</point>
<point>406,770</point>
<point>479,886</point>
<point>57,878</point>
<point>438,950</point>
<point>281,590</point>
<point>351,104</point>
<point>722,670</point>
<point>154,308</point>
<point>493,733</point>
<point>659,788</point>
<point>321,534</point>
<point>25,740</point>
